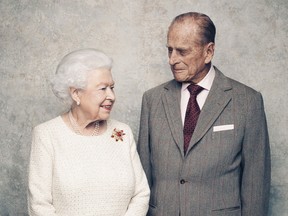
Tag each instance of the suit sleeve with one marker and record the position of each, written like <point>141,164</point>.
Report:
<point>143,139</point>
<point>256,163</point>
<point>40,175</point>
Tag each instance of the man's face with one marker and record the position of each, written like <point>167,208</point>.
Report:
<point>187,57</point>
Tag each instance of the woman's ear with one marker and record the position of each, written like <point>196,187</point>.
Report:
<point>209,52</point>
<point>74,92</point>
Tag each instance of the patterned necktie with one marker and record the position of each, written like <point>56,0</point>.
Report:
<point>192,114</point>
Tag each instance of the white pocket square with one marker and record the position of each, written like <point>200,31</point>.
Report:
<point>223,127</point>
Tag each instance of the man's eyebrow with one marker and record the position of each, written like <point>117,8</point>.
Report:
<point>178,48</point>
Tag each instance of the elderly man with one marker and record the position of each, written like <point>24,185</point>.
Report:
<point>203,138</point>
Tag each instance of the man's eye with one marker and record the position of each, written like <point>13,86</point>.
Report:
<point>182,52</point>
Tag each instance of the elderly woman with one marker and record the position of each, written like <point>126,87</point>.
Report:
<point>83,162</point>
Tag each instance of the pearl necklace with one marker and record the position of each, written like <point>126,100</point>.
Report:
<point>77,129</point>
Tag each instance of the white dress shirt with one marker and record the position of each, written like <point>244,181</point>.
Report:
<point>206,83</point>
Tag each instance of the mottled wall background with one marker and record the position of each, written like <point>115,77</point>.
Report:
<point>251,46</point>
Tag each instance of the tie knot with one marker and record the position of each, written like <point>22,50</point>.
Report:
<point>194,89</point>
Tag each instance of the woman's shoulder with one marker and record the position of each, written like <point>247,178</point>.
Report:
<point>113,123</point>
<point>52,123</point>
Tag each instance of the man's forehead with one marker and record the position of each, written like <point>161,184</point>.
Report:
<point>183,30</point>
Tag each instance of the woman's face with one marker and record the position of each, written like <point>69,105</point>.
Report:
<point>96,101</point>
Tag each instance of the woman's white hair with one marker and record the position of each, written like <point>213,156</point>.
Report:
<point>73,69</point>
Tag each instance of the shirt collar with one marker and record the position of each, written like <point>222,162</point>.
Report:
<point>206,82</point>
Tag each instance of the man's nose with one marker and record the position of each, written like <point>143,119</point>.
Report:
<point>173,58</point>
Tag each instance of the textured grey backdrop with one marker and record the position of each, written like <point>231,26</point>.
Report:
<point>251,46</point>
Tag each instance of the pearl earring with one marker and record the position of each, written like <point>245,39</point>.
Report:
<point>78,103</point>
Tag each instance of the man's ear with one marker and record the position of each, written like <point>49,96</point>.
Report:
<point>209,52</point>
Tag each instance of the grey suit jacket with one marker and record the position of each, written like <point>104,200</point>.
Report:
<point>226,171</point>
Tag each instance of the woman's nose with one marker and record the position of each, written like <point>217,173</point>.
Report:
<point>110,94</point>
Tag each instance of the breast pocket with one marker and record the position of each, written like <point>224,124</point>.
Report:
<point>226,139</point>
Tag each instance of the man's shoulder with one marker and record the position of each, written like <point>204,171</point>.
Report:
<point>236,85</point>
<point>157,90</point>
<point>241,87</point>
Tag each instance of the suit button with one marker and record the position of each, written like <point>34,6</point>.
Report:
<point>182,181</point>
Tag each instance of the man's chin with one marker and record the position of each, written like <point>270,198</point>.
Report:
<point>180,78</point>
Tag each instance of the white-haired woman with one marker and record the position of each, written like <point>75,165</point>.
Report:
<point>83,162</point>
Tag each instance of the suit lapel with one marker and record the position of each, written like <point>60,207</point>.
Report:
<point>219,96</point>
<point>171,103</point>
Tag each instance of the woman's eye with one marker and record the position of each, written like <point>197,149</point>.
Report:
<point>104,88</point>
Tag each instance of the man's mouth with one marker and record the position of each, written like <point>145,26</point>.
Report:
<point>177,69</point>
